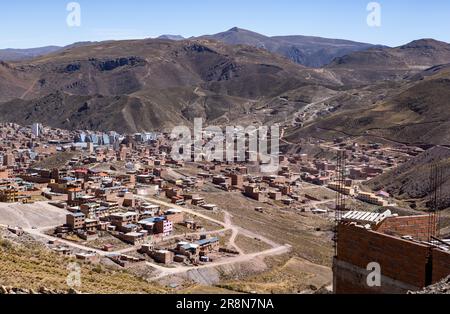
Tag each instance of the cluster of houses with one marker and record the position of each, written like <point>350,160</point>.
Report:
<point>380,198</point>
<point>145,160</point>
<point>140,165</point>
<point>140,224</point>
<point>199,251</point>
<point>103,178</point>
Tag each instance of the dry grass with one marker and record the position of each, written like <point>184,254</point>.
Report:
<point>283,227</point>
<point>107,238</point>
<point>33,268</point>
<point>217,215</point>
<point>225,238</point>
<point>200,289</point>
<point>287,275</point>
<point>249,245</point>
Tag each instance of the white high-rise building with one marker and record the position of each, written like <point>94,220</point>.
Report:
<point>36,129</point>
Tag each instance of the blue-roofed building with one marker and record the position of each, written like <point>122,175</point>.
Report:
<point>160,218</point>
<point>204,242</point>
<point>202,247</point>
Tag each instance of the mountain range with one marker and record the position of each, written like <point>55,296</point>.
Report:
<point>143,84</point>
<point>24,54</point>
<point>12,55</point>
<point>413,109</point>
<point>333,87</point>
<point>306,50</point>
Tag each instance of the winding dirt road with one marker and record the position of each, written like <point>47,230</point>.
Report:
<point>166,271</point>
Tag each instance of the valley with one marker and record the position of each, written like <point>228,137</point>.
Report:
<point>87,171</point>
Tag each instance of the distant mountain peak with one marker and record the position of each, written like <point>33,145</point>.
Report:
<point>305,50</point>
<point>234,29</point>
<point>426,43</point>
<point>171,37</point>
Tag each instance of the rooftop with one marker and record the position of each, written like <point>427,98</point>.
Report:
<point>366,217</point>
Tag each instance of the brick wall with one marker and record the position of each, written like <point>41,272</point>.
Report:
<point>415,226</point>
<point>400,260</point>
<point>350,279</point>
<point>403,263</point>
<point>441,265</point>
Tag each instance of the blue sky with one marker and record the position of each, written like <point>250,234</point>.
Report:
<point>31,23</point>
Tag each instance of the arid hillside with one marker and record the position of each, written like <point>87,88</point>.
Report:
<point>306,50</point>
<point>155,84</point>
<point>29,265</point>
<point>411,181</point>
<point>147,84</point>
<point>416,113</point>
<point>382,63</point>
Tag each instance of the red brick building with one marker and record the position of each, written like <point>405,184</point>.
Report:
<point>407,263</point>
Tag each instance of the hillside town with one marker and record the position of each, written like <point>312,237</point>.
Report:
<point>125,199</point>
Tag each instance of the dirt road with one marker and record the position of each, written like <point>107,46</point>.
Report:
<point>232,260</point>
<point>39,231</point>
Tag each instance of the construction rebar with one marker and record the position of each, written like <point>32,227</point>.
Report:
<point>436,181</point>
<point>340,196</point>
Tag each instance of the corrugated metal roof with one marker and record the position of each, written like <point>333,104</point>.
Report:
<point>366,217</point>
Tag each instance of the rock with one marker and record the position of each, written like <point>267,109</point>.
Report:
<point>442,287</point>
<point>73,291</point>
<point>44,290</point>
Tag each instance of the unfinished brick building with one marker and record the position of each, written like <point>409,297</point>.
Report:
<point>400,245</point>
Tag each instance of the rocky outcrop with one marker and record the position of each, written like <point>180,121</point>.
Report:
<point>112,64</point>
<point>42,290</point>
<point>442,287</point>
